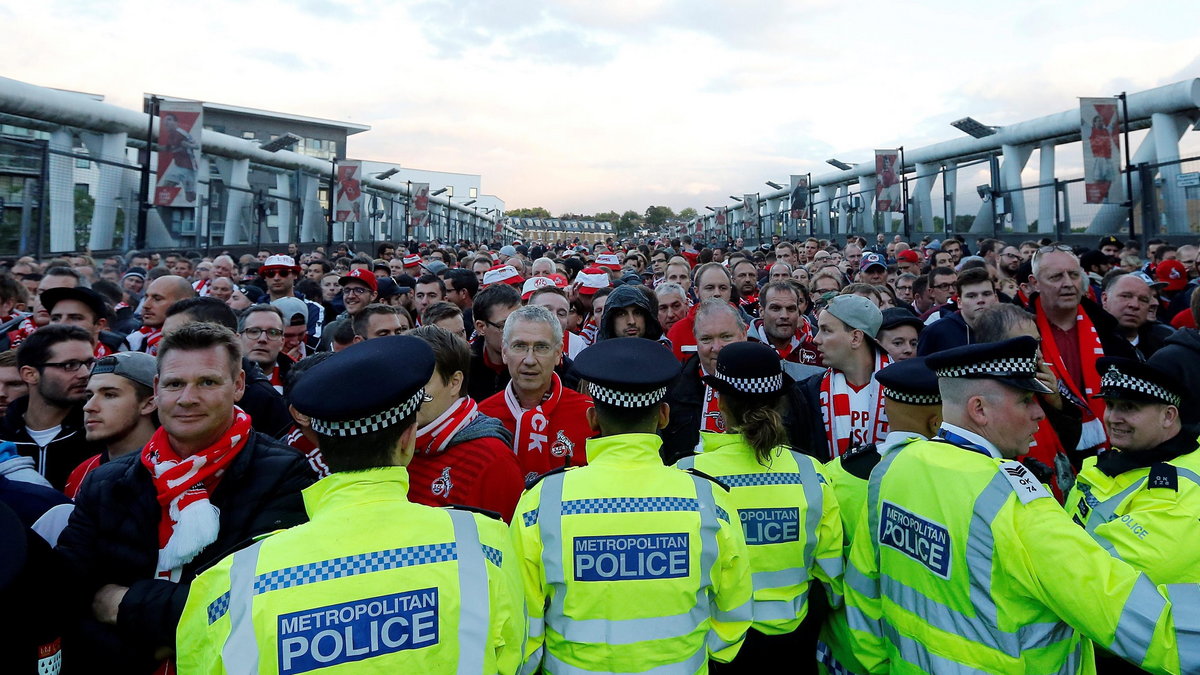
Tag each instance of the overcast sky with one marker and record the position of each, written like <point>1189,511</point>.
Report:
<point>590,106</point>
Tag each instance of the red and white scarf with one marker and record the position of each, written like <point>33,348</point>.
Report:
<point>533,426</point>
<point>102,350</point>
<point>189,521</point>
<point>434,438</point>
<point>1090,351</point>
<point>711,419</point>
<point>150,339</point>
<point>202,287</point>
<point>835,409</point>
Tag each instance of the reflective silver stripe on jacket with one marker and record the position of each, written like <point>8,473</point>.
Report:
<point>474,600</point>
<point>240,651</point>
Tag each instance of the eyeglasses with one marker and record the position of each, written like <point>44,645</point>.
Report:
<point>1056,247</point>
<point>72,365</point>
<point>255,333</point>
<point>497,326</point>
<point>356,290</point>
<point>271,274</point>
<point>538,348</point>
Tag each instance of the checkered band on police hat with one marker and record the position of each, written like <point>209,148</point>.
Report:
<point>1009,366</point>
<point>366,425</point>
<point>753,385</point>
<point>914,399</point>
<point>626,399</point>
<point>1115,379</point>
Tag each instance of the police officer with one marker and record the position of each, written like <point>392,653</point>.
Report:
<point>639,566</point>
<point>786,508</point>
<point>1141,499</point>
<point>914,412</point>
<point>372,580</point>
<point>965,563</point>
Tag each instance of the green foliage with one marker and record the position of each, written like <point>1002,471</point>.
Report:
<point>688,213</point>
<point>84,206</point>
<point>656,216</point>
<point>534,212</point>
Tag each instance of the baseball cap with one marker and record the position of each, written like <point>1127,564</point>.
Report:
<point>591,279</point>
<point>1109,241</point>
<point>502,274</point>
<point>367,277</point>
<point>508,250</point>
<point>292,308</point>
<point>1173,274</point>
<point>908,256</point>
<point>435,267</point>
<point>871,260</point>
<point>279,262</point>
<point>139,367</point>
<point>534,283</point>
<point>388,288</point>
<point>608,260</point>
<point>856,312</point>
<point>413,260</point>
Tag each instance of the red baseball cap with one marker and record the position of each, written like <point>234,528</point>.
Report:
<point>364,275</point>
<point>908,256</point>
<point>1173,274</point>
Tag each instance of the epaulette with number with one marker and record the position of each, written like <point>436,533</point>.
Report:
<point>1163,475</point>
<point>475,509</point>
<point>697,472</point>
<point>535,480</point>
<point>859,461</point>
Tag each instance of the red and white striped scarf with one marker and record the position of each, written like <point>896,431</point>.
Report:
<point>151,338</point>
<point>434,438</point>
<point>532,426</point>
<point>202,287</point>
<point>835,409</point>
<point>1090,351</point>
<point>102,350</point>
<point>189,521</point>
<point>711,419</point>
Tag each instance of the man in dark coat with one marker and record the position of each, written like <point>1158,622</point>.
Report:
<point>144,524</point>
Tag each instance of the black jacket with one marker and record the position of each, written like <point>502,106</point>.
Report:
<point>686,399</point>
<point>945,333</point>
<point>112,538</point>
<point>58,459</point>
<point>1181,355</point>
<point>267,410</point>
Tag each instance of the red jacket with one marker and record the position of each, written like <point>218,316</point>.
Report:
<point>478,469</point>
<point>565,432</point>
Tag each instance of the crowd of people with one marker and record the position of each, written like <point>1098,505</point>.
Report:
<point>644,455</point>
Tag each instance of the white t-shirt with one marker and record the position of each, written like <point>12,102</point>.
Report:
<point>43,437</point>
<point>862,414</point>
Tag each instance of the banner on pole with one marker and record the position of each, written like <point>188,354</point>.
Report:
<point>418,215</point>
<point>749,212</point>
<point>348,203</point>
<point>179,126</point>
<point>720,219</point>
<point>889,195</point>
<point>1101,133</point>
<point>799,197</point>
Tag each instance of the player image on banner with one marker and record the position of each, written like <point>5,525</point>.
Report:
<point>348,204</point>
<point>179,126</point>
<point>799,197</point>
<point>721,218</point>
<point>418,215</point>
<point>1101,133</point>
<point>749,212</point>
<point>889,196</point>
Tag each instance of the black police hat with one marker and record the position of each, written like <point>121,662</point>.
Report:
<point>1109,241</point>
<point>87,296</point>
<point>1131,380</point>
<point>747,368</point>
<point>1013,362</point>
<point>627,372</point>
<point>909,381</point>
<point>333,395</point>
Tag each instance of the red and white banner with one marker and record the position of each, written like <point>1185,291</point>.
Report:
<point>348,206</point>
<point>179,127</point>
<point>1100,129</point>
<point>889,194</point>
<point>799,197</point>
<point>418,211</point>
<point>720,219</point>
<point>749,212</point>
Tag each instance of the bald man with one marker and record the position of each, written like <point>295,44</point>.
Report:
<point>160,295</point>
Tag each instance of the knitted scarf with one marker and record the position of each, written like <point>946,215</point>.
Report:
<point>711,419</point>
<point>835,409</point>
<point>434,438</point>
<point>1090,351</point>
<point>151,338</point>
<point>532,425</point>
<point>189,521</point>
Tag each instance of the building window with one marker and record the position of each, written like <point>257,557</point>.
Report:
<point>474,192</point>
<point>249,135</point>
<point>332,145</point>
<point>82,188</point>
<point>82,163</point>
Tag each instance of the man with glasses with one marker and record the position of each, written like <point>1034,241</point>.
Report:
<point>47,424</point>
<point>281,273</point>
<point>261,330</point>
<point>658,263</point>
<point>941,289</point>
<point>547,419</point>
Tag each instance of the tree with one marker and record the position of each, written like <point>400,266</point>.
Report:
<point>628,224</point>
<point>84,206</point>
<point>656,216</point>
<point>688,214</point>
<point>533,212</point>
<point>607,217</point>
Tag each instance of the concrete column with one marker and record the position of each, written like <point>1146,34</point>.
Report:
<point>284,219</point>
<point>866,185</point>
<point>950,187</point>
<point>237,201</point>
<point>62,192</point>
<point>314,219</point>
<point>1015,158</point>
<point>926,175</point>
<point>1167,130</point>
<point>104,215</point>
<point>828,195</point>
<point>1046,193</point>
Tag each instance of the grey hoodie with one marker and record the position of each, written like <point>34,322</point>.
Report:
<point>19,467</point>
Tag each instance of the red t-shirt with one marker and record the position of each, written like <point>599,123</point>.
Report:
<point>482,473</point>
<point>80,472</point>
<point>567,432</point>
<point>1067,342</point>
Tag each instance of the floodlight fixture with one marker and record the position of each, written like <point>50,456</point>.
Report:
<point>839,164</point>
<point>384,175</point>
<point>438,192</point>
<point>973,127</point>
<point>736,199</point>
<point>281,143</point>
<point>777,186</point>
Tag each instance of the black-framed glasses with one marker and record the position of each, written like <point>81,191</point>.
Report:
<point>497,326</point>
<point>71,366</point>
<point>255,333</point>
<point>356,290</point>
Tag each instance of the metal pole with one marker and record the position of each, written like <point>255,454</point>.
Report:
<point>1128,162</point>
<point>143,212</point>
<point>904,191</point>
<point>994,169</point>
<point>329,216</point>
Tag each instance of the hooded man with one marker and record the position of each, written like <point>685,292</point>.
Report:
<point>629,313</point>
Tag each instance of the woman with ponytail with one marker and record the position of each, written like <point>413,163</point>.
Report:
<point>788,511</point>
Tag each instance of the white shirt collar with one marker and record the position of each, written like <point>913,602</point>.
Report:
<point>974,438</point>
